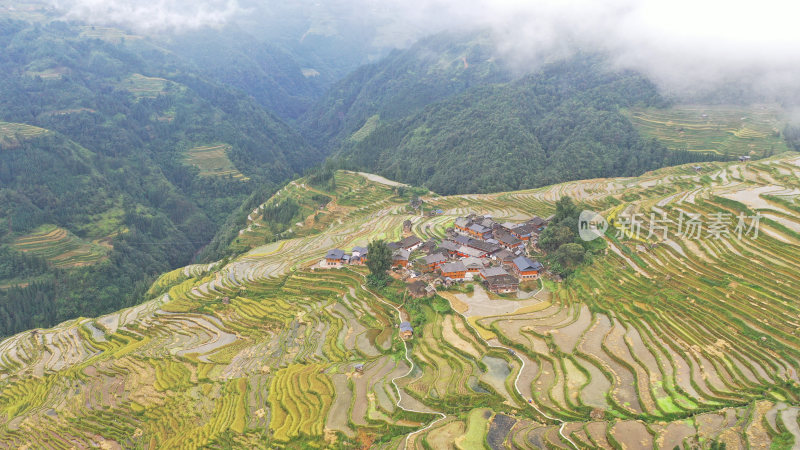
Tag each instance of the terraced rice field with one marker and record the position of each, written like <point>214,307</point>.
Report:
<point>212,160</point>
<point>355,199</point>
<point>730,130</point>
<point>141,86</point>
<point>679,343</point>
<point>366,129</point>
<point>12,133</point>
<point>109,34</point>
<point>53,73</point>
<point>60,247</point>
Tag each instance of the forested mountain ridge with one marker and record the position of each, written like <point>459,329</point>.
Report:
<point>557,124</point>
<point>117,162</point>
<point>403,83</point>
<point>269,73</point>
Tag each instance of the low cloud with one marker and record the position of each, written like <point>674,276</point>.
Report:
<point>157,16</point>
<point>685,46</point>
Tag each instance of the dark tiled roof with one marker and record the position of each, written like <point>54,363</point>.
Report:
<point>525,264</point>
<point>418,288</point>
<point>536,221</point>
<point>525,229</point>
<point>507,238</point>
<point>478,228</point>
<point>401,254</point>
<point>409,241</point>
<point>463,240</point>
<point>483,246</point>
<point>335,254</point>
<point>434,258</point>
<point>449,246</point>
<point>457,266</point>
<point>493,272</point>
<point>462,222</point>
<point>502,280</point>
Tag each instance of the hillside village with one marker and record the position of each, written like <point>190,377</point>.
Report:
<point>476,248</point>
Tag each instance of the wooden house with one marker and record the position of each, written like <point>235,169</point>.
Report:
<point>406,332</point>
<point>473,265</point>
<point>478,231</point>
<point>418,289</point>
<point>433,261</point>
<point>335,258</point>
<point>508,240</point>
<point>489,272</point>
<point>502,284</point>
<point>462,224</point>
<point>523,232</point>
<point>358,255</point>
<point>455,270</point>
<point>527,269</point>
<point>410,243</point>
<point>400,258</point>
<point>449,247</point>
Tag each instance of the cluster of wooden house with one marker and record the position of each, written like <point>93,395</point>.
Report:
<point>476,248</point>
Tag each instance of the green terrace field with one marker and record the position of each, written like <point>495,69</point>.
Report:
<point>53,73</point>
<point>367,129</point>
<point>141,86</point>
<point>319,208</point>
<point>60,247</point>
<point>107,34</point>
<point>724,130</point>
<point>683,343</point>
<point>12,133</point>
<point>212,160</point>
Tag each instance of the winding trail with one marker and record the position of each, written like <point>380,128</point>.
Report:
<point>516,380</point>
<point>410,369</point>
<point>442,415</point>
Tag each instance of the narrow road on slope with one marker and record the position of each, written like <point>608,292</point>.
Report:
<point>410,370</point>
<point>521,368</point>
<point>443,416</point>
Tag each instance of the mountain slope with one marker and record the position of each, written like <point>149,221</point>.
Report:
<point>403,83</point>
<point>561,123</point>
<point>271,75</point>
<point>103,139</point>
<point>645,344</point>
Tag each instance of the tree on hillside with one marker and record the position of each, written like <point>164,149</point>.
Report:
<point>560,238</point>
<point>379,260</point>
<point>566,209</point>
<point>569,255</point>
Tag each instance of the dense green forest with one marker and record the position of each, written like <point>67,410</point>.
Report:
<point>558,124</point>
<point>269,73</point>
<point>403,83</point>
<point>98,189</point>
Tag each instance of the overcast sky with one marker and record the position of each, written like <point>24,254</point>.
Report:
<point>682,44</point>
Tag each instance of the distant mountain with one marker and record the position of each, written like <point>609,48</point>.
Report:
<point>560,123</point>
<point>402,84</point>
<point>117,161</point>
<point>270,74</point>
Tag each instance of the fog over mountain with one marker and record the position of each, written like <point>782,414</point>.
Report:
<point>687,47</point>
